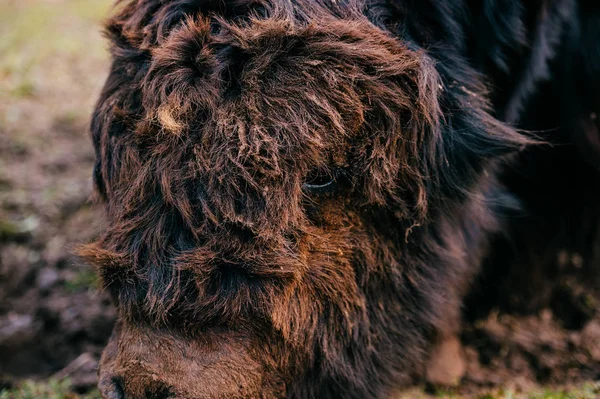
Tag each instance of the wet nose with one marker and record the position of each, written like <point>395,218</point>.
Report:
<point>141,362</point>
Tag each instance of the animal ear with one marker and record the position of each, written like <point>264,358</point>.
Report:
<point>99,257</point>
<point>439,145</point>
<point>111,266</point>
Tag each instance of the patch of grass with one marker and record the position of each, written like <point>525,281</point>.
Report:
<point>8,230</point>
<point>51,389</point>
<point>33,33</point>
<point>82,281</point>
<point>587,391</point>
<point>55,389</point>
<point>25,88</point>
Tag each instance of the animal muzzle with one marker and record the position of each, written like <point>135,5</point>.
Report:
<point>141,362</point>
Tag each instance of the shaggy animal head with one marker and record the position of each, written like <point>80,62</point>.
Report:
<point>290,193</point>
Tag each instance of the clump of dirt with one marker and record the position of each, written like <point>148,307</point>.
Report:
<point>53,319</point>
<point>50,310</point>
<point>523,337</point>
<point>523,351</point>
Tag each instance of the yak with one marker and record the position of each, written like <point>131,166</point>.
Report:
<point>300,194</point>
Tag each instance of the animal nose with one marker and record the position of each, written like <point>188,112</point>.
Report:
<point>111,388</point>
<point>140,362</point>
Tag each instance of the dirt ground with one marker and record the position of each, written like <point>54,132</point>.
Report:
<point>54,321</point>
<point>51,69</point>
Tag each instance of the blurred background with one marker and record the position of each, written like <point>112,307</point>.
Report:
<point>53,319</point>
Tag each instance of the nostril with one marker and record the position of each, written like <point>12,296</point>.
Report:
<point>111,388</point>
<point>118,385</point>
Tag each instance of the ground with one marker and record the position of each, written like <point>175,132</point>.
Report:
<point>53,319</point>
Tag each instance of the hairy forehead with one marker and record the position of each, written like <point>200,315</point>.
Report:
<point>222,118</point>
<point>209,125</point>
<point>266,98</point>
<point>298,83</point>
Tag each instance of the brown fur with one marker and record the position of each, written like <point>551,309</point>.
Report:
<point>233,277</point>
